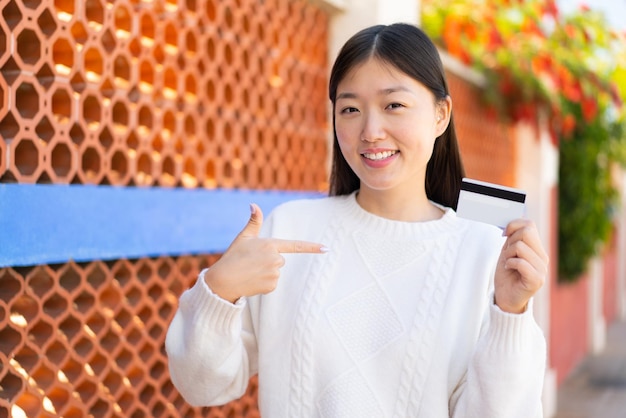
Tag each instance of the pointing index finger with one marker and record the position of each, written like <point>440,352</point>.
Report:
<point>295,246</point>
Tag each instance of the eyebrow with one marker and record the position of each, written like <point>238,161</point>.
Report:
<point>383,92</point>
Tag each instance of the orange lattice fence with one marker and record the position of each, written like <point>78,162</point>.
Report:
<point>87,340</point>
<point>170,93</point>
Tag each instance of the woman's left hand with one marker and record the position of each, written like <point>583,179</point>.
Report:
<point>522,266</point>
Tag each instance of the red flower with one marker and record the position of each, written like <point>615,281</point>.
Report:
<point>525,112</point>
<point>570,31</point>
<point>551,9</point>
<point>507,86</point>
<point>452,36</point>
<point>530,27</point>
<point>568,125</point>
<point>589,108</point>
<point>569,85</point>
<point>494,40</point>
<point>615,96</point>
<point>541,64</point>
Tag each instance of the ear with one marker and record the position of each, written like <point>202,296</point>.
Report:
<point>443,112</point>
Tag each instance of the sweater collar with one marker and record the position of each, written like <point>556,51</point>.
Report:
<point>446,224</point>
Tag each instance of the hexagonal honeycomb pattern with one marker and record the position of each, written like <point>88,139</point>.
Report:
<point>174,93</point>
<point>87,340</point>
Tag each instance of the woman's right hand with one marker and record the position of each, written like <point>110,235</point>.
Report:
<point>251,265</point>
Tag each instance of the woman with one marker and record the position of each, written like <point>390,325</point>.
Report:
<point>405,310</point>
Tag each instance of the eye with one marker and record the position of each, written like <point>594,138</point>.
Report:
<point>394,105</point>
<point>349,110</point>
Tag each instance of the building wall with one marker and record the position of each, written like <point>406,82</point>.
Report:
<point>610,259</point>
<point>569,334</point>
<point>486,143</point>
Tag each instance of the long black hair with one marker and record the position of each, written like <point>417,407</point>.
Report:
<point>411,51</point>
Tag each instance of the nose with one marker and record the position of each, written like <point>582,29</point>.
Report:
<point>373,128</point>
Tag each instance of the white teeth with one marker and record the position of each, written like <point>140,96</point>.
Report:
<point>379,155</point>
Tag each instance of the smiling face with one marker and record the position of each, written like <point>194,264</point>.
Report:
<point>386,125</point>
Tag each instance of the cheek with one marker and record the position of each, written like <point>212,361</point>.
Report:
<point>346,149</point>
<point>426,146</point>
<point>344,137</point>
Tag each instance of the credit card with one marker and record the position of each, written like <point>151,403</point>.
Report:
<point>490,203</point>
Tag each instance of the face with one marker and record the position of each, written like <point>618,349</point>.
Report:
<point>386,124</point>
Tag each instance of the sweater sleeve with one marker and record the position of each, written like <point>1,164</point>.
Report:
<point>210,346</point>
<point>505,375</point>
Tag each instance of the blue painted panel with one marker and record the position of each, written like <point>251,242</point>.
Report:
<point>46,224</point>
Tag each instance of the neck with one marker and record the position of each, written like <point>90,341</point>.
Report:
<point>405,207</point>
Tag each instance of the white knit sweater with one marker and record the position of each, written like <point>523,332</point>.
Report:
<point>397,320</point>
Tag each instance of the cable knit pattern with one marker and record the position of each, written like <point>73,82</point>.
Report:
<point>431,303</point>
<point>301,402</point>
<point>397,320</point>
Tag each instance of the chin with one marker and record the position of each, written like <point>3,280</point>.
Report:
<point>378,188</point>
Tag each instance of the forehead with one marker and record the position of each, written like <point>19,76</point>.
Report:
<point>376,75</point>
<point>375,67</point>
